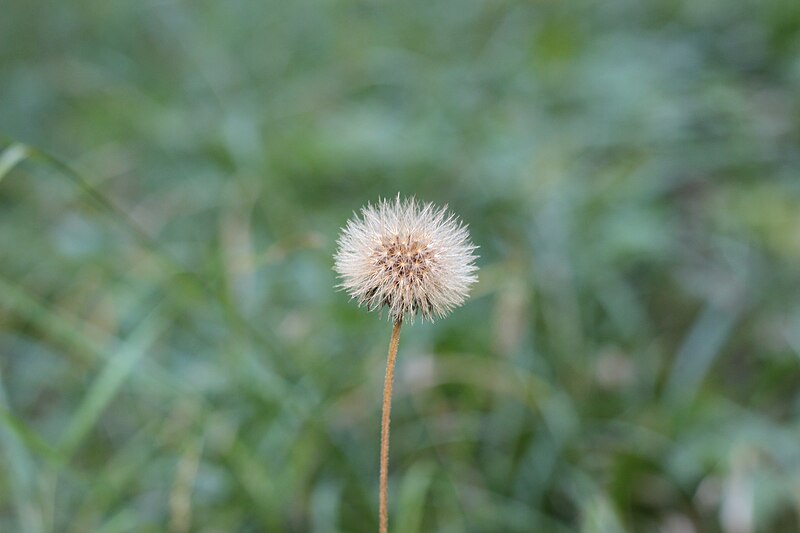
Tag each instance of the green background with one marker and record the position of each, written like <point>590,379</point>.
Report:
<point>173,177</point>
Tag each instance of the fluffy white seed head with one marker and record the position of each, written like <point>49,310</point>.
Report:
<point>409,257</point>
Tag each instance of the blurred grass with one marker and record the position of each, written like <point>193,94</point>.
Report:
<point>173,355</point>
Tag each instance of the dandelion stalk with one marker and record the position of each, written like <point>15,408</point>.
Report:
<point>385,415</point>
<point>410,258</point>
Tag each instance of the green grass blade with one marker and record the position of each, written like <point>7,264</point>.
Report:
<point>24,435</point>
<point>702,346</point>
<point>82,344</point>
<point>114,374</point>
<point>325,502</point>
<point>10,157</point>
<point>412,497</point>
<point>21,469</point>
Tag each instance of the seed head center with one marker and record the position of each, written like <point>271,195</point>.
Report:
<point>405,259</point>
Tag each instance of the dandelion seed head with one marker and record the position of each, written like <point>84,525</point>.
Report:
<point>408,257</point>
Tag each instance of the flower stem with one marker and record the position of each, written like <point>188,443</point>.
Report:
<point>387,407</point>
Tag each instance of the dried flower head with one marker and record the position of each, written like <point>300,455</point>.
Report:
<point>406,256</point>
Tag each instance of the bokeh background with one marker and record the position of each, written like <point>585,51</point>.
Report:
<point>173,353</point>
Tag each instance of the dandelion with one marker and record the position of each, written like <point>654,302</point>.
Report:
<point>409,258</point>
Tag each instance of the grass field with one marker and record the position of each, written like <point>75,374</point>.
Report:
<point>174,355</point>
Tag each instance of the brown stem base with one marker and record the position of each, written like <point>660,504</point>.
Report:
<point>387,408</point>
